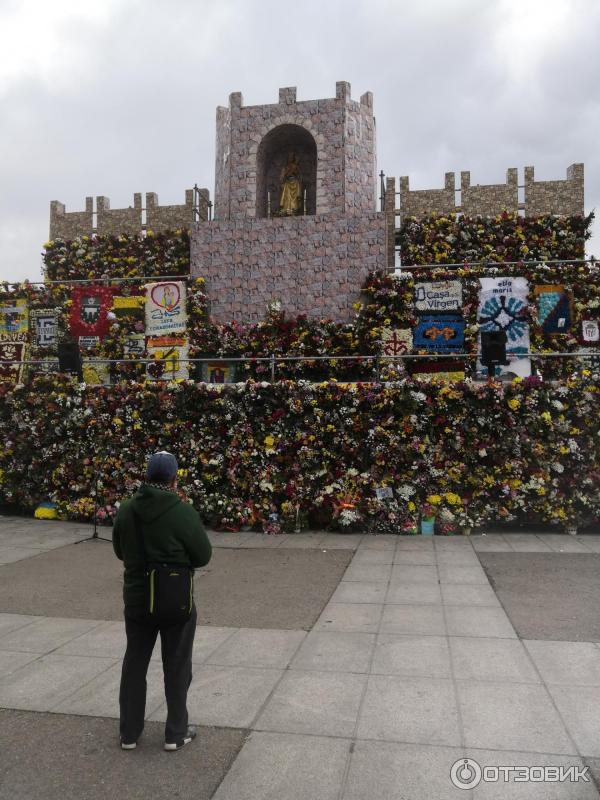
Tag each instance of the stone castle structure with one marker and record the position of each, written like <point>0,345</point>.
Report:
<point>295,207</point>
<point>313,261</point>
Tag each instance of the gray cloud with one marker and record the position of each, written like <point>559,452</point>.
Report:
<point>123,99</point>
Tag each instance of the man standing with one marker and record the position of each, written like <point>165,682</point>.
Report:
<point>172,533</point>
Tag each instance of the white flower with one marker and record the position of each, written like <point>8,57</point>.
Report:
<point>558,467</point>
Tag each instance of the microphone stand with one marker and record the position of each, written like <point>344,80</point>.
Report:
<point>95,535</point>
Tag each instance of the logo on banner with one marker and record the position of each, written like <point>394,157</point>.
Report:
<point>590,331</point>
<point>90,310</point>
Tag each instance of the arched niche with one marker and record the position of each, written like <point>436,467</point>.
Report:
<point>271,158</point>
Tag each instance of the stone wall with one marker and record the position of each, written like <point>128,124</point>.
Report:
<point>563,197</point>
<point>555,197</point>
<point>423,202</point>
<point>314,264</point>
<point>490,199</point>
<point>112,222</point>
<point>344,133</point>
<point>72,224</point>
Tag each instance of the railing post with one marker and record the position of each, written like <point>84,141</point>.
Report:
<point>272,368</point>
<point>377,370</point>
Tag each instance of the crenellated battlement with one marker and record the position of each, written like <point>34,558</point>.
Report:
<point>561,197</point>
<point>105,220</point>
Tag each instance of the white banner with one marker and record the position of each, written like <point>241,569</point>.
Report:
<point>165,308</point>
<point>503,307</point>
<point>438,296</point>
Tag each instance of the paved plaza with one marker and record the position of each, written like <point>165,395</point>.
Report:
<point>391,659</point>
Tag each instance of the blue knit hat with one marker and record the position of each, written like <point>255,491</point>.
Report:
<point>162,467</point>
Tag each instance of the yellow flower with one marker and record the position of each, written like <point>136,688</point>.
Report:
<point>545,415</point>
<point>434,499</point>
<point>411,506</point>
<point>514,403</point>
<point>453,499</point>
<point>116,421</point>
<point>269,440</point>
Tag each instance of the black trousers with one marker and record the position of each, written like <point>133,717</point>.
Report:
<point>176,647</point>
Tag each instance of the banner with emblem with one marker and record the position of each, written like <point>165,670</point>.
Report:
<point>14,320</point>
<point>43,324</point>
<point>503,307</point>
<point>171,353</point>
<point>165,308</point>
<point>396,341</point>
<point>439,333</point>
<point>590,330</point>
<point>554,308</point>
<point>89,311</point>
<point>12,356</point>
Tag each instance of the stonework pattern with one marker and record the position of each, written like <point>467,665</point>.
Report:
<point>118,221</point>
<point>555,197</point>
<point>112,222</point>
<point>314,264</point>
<point>424,202</point>
<point>563,197</point>
<point>489,200</point>
<point>344,134</point>
<point>73,224</point>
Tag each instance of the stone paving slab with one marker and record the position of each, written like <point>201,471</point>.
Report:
<point>407,709</point>
<point>580,709</point>
<point>43,684</point>
<point>335,651</point>
<point>274,766</point>
<point>390,771</point>
<point>511,790</point>
<point>512,716</point>
<point>316,703</point>
<point>412,661</point>
<point>226,696</point>
<point>566,663</point>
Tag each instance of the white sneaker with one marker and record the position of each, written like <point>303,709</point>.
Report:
<point>190,736</point>
<point>128,745</point>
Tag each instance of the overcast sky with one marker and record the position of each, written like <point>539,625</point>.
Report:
<point>114,97</point>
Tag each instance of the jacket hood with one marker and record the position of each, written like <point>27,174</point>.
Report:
<point>151,502</point>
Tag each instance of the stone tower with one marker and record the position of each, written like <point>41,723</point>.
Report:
<point>315,260</point>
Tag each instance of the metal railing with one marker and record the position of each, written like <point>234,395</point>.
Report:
<point>272,360</point>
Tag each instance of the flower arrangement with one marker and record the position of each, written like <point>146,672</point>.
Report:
<point>526,451</point>
<point>448,239</point>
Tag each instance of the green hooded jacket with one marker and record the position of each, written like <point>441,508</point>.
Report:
<point>173,534</point>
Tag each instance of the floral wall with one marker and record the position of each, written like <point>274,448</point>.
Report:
<point>313,451</point>
<point>470,453</point>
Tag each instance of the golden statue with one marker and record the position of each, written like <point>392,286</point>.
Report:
<point>291,187</point>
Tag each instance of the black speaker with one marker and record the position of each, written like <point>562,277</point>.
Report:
<point>493,348</point>
<point>69,357</point>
